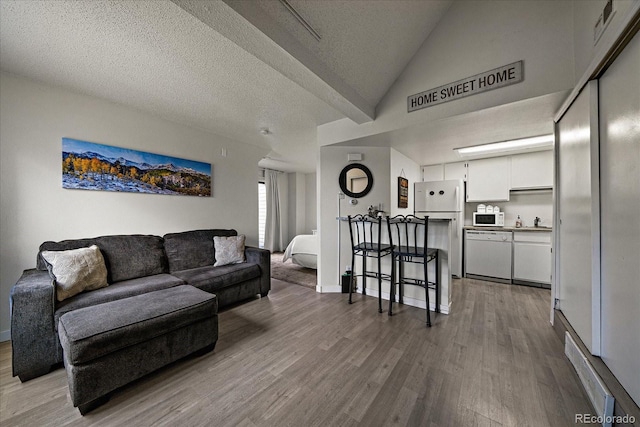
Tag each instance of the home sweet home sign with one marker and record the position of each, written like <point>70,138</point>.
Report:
<point>489,80</point>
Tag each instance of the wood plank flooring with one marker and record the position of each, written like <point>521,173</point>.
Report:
<point>298,358</point>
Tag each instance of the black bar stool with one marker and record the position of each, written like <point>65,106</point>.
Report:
<point>365,242</point>
<point>408,237</point>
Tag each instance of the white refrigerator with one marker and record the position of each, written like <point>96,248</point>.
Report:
<point>444,200</point>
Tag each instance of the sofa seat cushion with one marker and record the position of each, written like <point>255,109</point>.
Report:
<point>116,291</point>
<point>211,278</point>
<point>92,332</point>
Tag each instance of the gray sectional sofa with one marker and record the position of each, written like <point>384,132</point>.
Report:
<point>136,264</point>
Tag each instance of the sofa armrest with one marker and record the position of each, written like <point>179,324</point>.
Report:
<point>262,257</point>
<point>33,336</point>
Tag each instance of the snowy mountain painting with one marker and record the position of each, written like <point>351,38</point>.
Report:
<point>90,166</point>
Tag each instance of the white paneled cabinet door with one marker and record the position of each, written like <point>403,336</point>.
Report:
<point>532,256</point>
<point>457,170</point>
<point>433,173</point>
<point>488,180</point>
<point>619,115</point>
<point>532,170</point>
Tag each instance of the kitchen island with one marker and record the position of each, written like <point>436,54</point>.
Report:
<point>439,238</point>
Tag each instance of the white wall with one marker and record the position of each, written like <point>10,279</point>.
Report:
<point>301,204</point>
<point>527,204</point>
<point>403,166</point>
<point>476,36</point>
<point>311,203</point>
<point>35,208</point>
<point>332,160</point>
<point>296,204</point>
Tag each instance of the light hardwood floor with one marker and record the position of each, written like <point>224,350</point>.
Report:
<point>300,358</point>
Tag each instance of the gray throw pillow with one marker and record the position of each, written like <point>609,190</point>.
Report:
<point>229,250</point>
<point>76,270</point>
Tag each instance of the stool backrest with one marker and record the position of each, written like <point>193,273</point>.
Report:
<point>410,232</point>
<point>361,230</point>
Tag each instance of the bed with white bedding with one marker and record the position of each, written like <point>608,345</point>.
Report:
<point>303,250</point>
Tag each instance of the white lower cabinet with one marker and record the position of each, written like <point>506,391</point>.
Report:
<point>532,257</point>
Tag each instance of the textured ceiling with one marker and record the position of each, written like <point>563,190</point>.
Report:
<point>157,57</point>
<point>368,47</point>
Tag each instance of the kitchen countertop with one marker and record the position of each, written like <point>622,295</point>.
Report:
<point>534,229</point>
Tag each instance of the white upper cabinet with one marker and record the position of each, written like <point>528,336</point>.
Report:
<point>433,173</point>
<point>456,170</point>
<point>532,170</point>
<point>488,180</point>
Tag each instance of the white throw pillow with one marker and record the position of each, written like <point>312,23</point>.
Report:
<point>229,250</point>
<point>76,270</point>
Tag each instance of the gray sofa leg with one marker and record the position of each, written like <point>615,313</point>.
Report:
<point>205,350</point>
<point>26,376</point>
<point>264,294</point>
<point>87,407</point>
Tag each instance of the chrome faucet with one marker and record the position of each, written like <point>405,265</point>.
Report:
<point>536,222</point>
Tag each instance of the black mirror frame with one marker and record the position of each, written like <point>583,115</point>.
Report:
<point>343,180</point>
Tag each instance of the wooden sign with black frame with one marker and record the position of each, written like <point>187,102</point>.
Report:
<point>403,192</point>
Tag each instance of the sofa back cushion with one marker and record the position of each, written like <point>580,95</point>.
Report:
<point>192,249</point>
<point>126,256</point>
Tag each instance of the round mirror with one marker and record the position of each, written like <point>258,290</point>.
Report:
<point>356,180</point>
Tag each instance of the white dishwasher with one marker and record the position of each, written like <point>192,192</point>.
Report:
<point>488,255</point>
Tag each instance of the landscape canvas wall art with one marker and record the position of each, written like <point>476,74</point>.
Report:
<point>90,166</point>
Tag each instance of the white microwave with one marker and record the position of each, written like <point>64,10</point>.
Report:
<point>495,219</point>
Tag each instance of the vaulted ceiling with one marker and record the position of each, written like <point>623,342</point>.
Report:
<point>231,68</point>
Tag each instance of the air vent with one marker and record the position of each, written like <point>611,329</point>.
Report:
<point>600,396</point>
<point>603,21</point>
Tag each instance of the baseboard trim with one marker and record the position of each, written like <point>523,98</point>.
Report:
<point>624,404</point>
<point>5,336</point>
<point>487,278</point>
<point>329,289</point>
<point>444,308</point>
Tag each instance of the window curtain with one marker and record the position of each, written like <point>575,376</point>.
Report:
<point>274,227</point>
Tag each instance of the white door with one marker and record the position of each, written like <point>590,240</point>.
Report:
<point>575,151</point>
<point>619,117</point>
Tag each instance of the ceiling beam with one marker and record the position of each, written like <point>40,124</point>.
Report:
<point>248,27</point>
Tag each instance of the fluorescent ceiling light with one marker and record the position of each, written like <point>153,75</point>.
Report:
<point>516,144</point>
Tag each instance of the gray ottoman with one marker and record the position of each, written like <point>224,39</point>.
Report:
<point>109,345</point>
